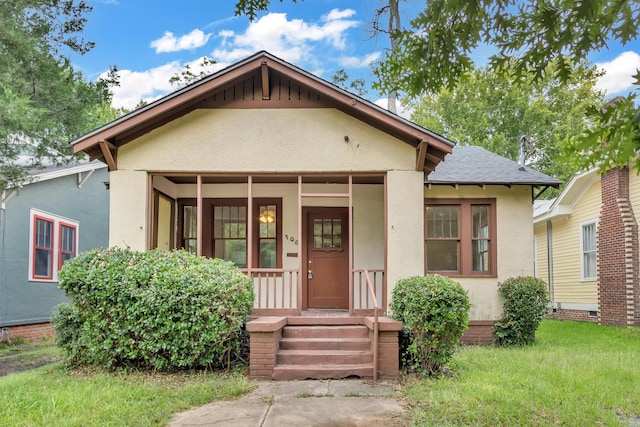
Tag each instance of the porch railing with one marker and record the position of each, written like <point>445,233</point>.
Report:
<point>363,298</point>
<point>376,307</point>
<point>278,291</point>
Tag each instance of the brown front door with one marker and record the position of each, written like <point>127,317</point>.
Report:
<point>327,257</point>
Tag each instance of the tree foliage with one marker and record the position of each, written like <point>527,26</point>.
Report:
<point>486,110</point>
<point>357,86</point>
<point>437,52</point>
<point>44,102</point>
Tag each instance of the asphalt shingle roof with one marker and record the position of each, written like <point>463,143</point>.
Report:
<point>469,165</point>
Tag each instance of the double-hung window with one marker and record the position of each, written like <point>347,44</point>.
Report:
<point>53,240</point>
<point>226,233</point>
<point>460,237</point>
<point>588,251</point>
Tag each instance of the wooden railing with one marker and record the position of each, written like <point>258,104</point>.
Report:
<point>376,307</point>
<point>362,297</point>
<point>277,290</point>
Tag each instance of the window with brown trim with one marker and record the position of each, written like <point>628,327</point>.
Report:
<point>460,237</point>
<point>225,236</point>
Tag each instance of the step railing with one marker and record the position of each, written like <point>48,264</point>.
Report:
<point>362,300</point>
<point>376,307</point>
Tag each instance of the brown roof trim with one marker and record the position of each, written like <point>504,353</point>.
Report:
<point>194,93</point>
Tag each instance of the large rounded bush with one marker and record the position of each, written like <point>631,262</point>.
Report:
<point>435,312</point>
<point>157,309</point>
<point>526,302</point>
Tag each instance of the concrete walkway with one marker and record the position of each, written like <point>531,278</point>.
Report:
<point>305,403</point>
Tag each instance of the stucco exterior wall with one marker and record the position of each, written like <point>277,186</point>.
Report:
<point>568,285</point>
<point>514,242</point>
<point>405,226</point>
<point>128,209</point>
<point>280,140</point>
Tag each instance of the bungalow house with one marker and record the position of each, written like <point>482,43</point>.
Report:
<point>62,211</point>
<point>586,244</point>
<point>320,197</point>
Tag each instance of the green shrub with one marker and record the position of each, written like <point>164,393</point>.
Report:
<point>435,312</point>
<point>525,302</point>
<point>157,309</point>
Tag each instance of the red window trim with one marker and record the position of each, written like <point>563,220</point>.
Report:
<point>465,268</point>
<point>36,247</point>
<point>75,241</point>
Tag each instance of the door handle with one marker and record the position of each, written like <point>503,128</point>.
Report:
<point>309,274</point>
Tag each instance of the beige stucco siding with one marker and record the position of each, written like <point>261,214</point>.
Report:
<point>128,209</point>
<point>568,285</point>
<point>282,140</point>
<point>514,242</point>
<point>405,226</point>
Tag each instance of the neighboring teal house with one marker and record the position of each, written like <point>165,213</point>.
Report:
<point>62,212</point>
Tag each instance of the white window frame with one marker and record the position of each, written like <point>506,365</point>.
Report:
<point>583,225</point>
<point>58,222</point>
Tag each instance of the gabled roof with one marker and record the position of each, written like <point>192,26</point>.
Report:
<point>254,81</point>
<point>470,165</point>
<point>562,205</point>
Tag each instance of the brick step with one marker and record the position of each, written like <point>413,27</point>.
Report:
<point>325,320</point>
<point>323,357</point>
<point>343,331</point>
<point>319,372</point>
<point>325,344</point>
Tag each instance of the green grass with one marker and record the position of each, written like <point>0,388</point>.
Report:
<point>56,396</point>
<point>576,374</point>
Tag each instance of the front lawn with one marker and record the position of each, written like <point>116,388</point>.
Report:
<point>575,374</point>
<point>56,396</point>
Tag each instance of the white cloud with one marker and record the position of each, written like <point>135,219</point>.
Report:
<point>143,85</point>
<point>618,73</point>
<point>293,40</point>
<point>169,43</point>
<point>152,84</point>
<point>336,14</point>
<point>355,62</point>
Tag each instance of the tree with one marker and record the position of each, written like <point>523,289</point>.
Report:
<point>526,34</point>
<point>44,102</point>
<point>436,51</point>
<point>341,79</point>
<point>485,109</point>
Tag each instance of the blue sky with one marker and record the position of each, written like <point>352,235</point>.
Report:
<point>150,41</point>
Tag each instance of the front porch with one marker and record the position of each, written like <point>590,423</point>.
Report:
<point>316,249</point>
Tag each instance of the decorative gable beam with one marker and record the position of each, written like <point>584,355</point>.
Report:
<point>109,152</point>
<point>83,179</point>
<point>421,154</point>
<point>265,81</point>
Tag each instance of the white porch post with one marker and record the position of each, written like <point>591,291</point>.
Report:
<point>301,242</point>
<point>350,218</point>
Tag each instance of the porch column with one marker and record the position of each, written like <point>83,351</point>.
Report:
<point>405,226</point>
<point>199,215</point>
<point>128,209</point>
<point>250,225</point>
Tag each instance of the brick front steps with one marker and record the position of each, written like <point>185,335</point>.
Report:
<point>321,347</point>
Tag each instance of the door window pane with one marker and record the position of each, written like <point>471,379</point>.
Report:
<point>327,233</point>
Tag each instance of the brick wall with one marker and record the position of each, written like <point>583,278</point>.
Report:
<point>34,332</point>
<point>578,315</point>
<point>617,239</point>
